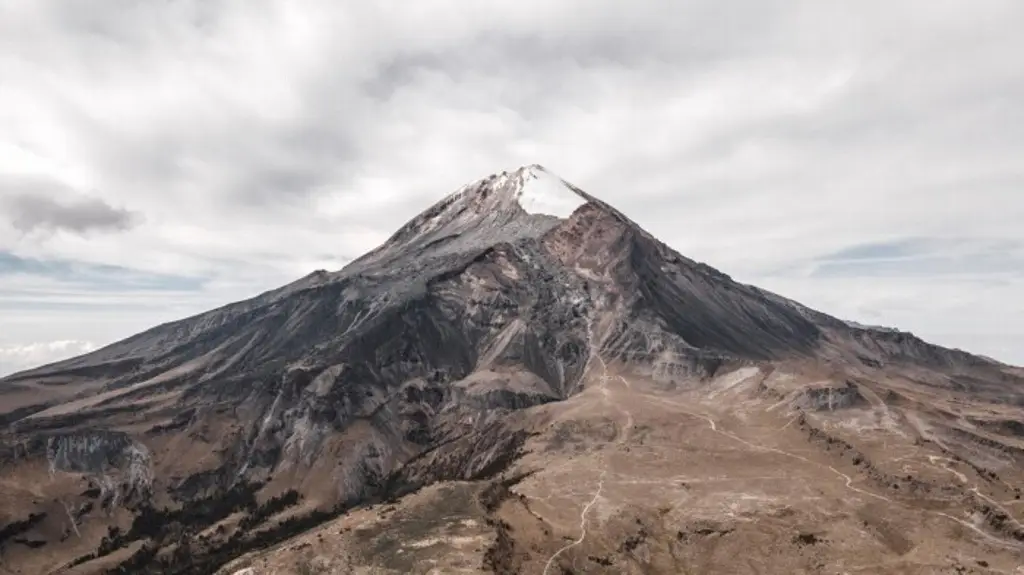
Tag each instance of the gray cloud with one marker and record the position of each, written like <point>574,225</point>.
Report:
<point>31,206</point>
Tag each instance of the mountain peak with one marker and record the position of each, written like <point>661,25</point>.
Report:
<point>505,206</point>
<point>533,188</point>
<point>539,191</point>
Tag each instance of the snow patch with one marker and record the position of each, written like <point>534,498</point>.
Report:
<point>543,193</point>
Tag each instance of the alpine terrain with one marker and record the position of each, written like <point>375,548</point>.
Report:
<point>520,380</point>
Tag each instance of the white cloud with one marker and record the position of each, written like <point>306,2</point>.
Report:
<point>255,141</point>
<point>19,357</point>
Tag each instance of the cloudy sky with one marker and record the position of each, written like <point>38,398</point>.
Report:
<point>161,157</point>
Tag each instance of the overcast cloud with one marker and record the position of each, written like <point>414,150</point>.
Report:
<point>42,206</point>
<point>158,158</point>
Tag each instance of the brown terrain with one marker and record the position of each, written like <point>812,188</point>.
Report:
<point>500,391</point>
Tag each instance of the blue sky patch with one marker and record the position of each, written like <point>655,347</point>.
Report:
<point>88,276</point>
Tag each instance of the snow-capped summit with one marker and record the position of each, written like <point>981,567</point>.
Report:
<point>533,188</point>
<point>502,207</point>
<point>538,191</point>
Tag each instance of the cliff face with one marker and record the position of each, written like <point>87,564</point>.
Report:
<point>426,359</point>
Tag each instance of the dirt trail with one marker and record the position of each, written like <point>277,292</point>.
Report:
<point>622,436</point>
<point>583,524</point>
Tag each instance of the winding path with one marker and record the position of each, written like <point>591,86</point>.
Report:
<point>583,525</point>
<point>621,437</point>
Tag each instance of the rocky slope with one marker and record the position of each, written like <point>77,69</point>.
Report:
<point>517,330</point>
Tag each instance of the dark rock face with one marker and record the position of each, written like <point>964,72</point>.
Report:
<point>402,368</point>
<point>830,398</point>
<point>668,293</point>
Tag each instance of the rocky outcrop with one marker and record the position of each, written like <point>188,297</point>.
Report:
<point>112,461</point>
<point>829,398</point>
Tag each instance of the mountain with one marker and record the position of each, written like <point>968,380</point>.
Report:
<point>519,380</point>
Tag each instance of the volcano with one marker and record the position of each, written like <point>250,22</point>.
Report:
<point>519,380</point>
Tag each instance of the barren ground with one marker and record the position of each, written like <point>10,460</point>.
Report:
<point>628,477</point>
